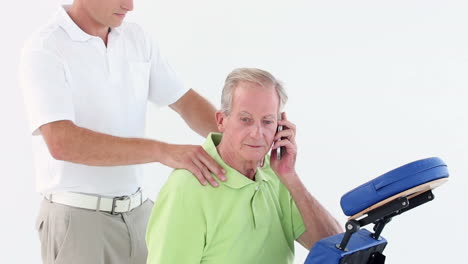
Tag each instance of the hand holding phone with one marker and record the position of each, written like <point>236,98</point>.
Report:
<point>283,160</point>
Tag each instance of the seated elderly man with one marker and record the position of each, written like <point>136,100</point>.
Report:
<point>255,216</point>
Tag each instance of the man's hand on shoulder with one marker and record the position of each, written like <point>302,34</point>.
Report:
<point>195,159</point>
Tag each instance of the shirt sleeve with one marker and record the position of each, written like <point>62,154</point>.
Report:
<point>46,93</point>
<point>176,229</point>
<point>166,87</point>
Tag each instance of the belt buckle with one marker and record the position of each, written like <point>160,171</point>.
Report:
<point>114,200</point>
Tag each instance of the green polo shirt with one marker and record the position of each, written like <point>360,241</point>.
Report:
<point>241,221</point>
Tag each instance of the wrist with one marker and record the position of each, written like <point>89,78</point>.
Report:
<point>158,151</point>
<point>290,180</point>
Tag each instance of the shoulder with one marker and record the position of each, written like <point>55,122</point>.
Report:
<point>183,186</point>
<point>183,183</point>
<point>44,39</point>
<point>43,47</point>
<point>182,177</point>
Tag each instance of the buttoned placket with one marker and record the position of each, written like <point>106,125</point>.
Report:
<point>259,206</point>
<point>109,54</point>
<point>106,51</point>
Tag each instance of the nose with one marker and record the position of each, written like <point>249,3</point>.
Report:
<point>127,5</point>
<point>256,131</point>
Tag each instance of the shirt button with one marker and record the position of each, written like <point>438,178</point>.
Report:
<point>256,188</point>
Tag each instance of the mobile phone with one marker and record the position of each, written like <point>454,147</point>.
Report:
<point>278,150</point>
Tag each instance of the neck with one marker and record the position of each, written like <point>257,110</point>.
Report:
<point>86,22</point>
<point>248,168</point>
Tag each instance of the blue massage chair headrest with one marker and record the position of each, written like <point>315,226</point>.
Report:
<point>377,202</point>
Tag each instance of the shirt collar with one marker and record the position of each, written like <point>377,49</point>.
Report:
<point>72,29</point>
<point>234,179</point>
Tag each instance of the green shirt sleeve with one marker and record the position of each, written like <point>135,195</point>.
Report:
<point>176,229</point>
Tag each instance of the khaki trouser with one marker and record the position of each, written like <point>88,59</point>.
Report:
<point>72,235</point>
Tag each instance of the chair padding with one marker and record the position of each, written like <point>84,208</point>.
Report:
<point>360,244</point>
<point>392,183</point>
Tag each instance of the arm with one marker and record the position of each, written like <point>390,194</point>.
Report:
<point>72,143</point>
<point>197,112</point>
<point>49,98</point>
<point>318,222</point>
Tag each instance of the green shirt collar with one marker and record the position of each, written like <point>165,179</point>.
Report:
<point>234,179</point>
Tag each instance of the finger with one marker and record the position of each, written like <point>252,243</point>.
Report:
<point>197,173</point>
<point>273,159</point>
<point>212,165</point>
<point>273,156</point>
<point>278,144</point>
<point>290,147</point>
<point>206,174</point>
<point>287,133</point>
<point>287,124</point>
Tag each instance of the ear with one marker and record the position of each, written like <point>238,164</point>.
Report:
<point>220,119</point>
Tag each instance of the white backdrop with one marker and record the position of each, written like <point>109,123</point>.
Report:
<point>372,85</point>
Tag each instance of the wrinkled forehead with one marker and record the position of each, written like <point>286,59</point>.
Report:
<point>255,99</point>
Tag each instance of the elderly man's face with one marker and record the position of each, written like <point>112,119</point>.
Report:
<point>109,12</point>
<point>250,127</point>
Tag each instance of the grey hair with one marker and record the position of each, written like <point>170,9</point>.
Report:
<point>253,75</point>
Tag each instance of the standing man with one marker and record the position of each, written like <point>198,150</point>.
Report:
<point>86,78</point>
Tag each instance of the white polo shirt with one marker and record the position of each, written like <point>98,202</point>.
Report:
<point>67,74</point>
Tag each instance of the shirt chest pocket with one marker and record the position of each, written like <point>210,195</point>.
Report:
<point>138,76</point>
